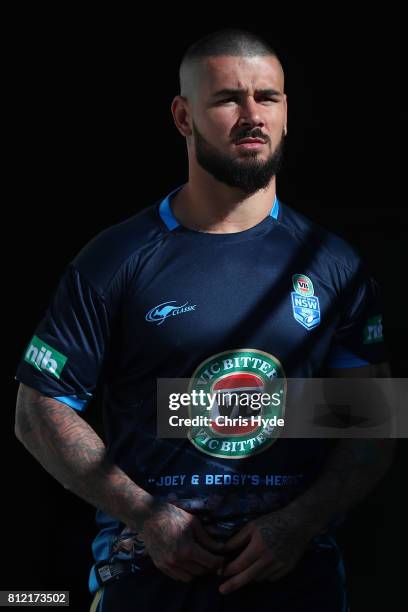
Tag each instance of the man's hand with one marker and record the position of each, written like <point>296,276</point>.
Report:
<point>179,545</point>
<point>272,546</point>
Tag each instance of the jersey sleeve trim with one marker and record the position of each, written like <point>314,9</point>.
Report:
<point>340,357</point>
<point>73,401</point>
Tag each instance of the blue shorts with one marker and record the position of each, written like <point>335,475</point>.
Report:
<point>317,584</point>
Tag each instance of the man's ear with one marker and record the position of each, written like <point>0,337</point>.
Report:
<point>180,110</point>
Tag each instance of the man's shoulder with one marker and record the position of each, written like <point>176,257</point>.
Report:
<point>118,247</point>
<point>318,241</point>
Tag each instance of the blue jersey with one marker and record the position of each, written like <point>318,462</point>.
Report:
<point>149,298</point>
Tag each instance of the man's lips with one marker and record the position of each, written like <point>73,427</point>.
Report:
<point>250,141</point>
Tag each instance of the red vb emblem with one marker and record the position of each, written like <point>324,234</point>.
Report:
<point>246,393</point>
<point>229,389</point>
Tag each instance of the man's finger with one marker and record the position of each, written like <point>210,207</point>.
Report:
<point>191,567</point>
<point>238,540</point>
<point>204,538</point>
<point>205,558</point>
<point>178,574</point>
<point>244,560</point>
<point>276,571</point>
<point>239,580</point>
<point>272,573</point>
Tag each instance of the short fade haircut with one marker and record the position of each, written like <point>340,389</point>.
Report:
<point>232,42</point>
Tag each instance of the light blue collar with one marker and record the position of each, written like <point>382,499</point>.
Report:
<point>171,222</point>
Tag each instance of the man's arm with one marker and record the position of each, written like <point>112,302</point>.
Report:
<point>274,543</point>
<point>354,467</point>
<point>71,451</point>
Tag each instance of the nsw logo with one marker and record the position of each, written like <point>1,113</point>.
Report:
<point>158,314</point>
<point>306,310</point>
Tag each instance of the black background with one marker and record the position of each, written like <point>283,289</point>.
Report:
<point>92,142</point>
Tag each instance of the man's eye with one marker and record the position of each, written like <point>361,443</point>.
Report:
<point>267,99</point>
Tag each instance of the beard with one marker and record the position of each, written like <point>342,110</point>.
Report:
<point>247,173</point>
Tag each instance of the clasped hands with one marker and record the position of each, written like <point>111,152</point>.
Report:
<point>265,549</point>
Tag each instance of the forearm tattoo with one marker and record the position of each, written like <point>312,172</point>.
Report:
<point>71,451</point>
<point>353,469</point>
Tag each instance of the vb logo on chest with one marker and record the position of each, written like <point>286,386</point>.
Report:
<point>305,305</point>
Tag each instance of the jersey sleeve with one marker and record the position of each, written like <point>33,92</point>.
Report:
<point>358,339</point>
<point>64,357</point>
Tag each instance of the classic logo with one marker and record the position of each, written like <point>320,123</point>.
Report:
<point>373,331</point>
<point>241,374</point>
<point>45,358</point>
<point>158,314</point>
<point>302,285</point>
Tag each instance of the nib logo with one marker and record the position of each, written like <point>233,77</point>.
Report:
<point>373,331</point>
<point>44,358</point>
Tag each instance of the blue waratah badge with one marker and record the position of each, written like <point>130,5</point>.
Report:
<point>305,305</point>
<point>306,310</point>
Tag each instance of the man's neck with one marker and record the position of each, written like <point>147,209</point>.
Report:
<point>210,206</point>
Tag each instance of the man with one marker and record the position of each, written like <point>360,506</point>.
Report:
<point>219,283</point>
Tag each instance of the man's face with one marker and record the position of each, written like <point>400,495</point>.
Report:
<point>239,98</point>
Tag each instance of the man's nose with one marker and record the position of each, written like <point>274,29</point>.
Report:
<point>250,113</point>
